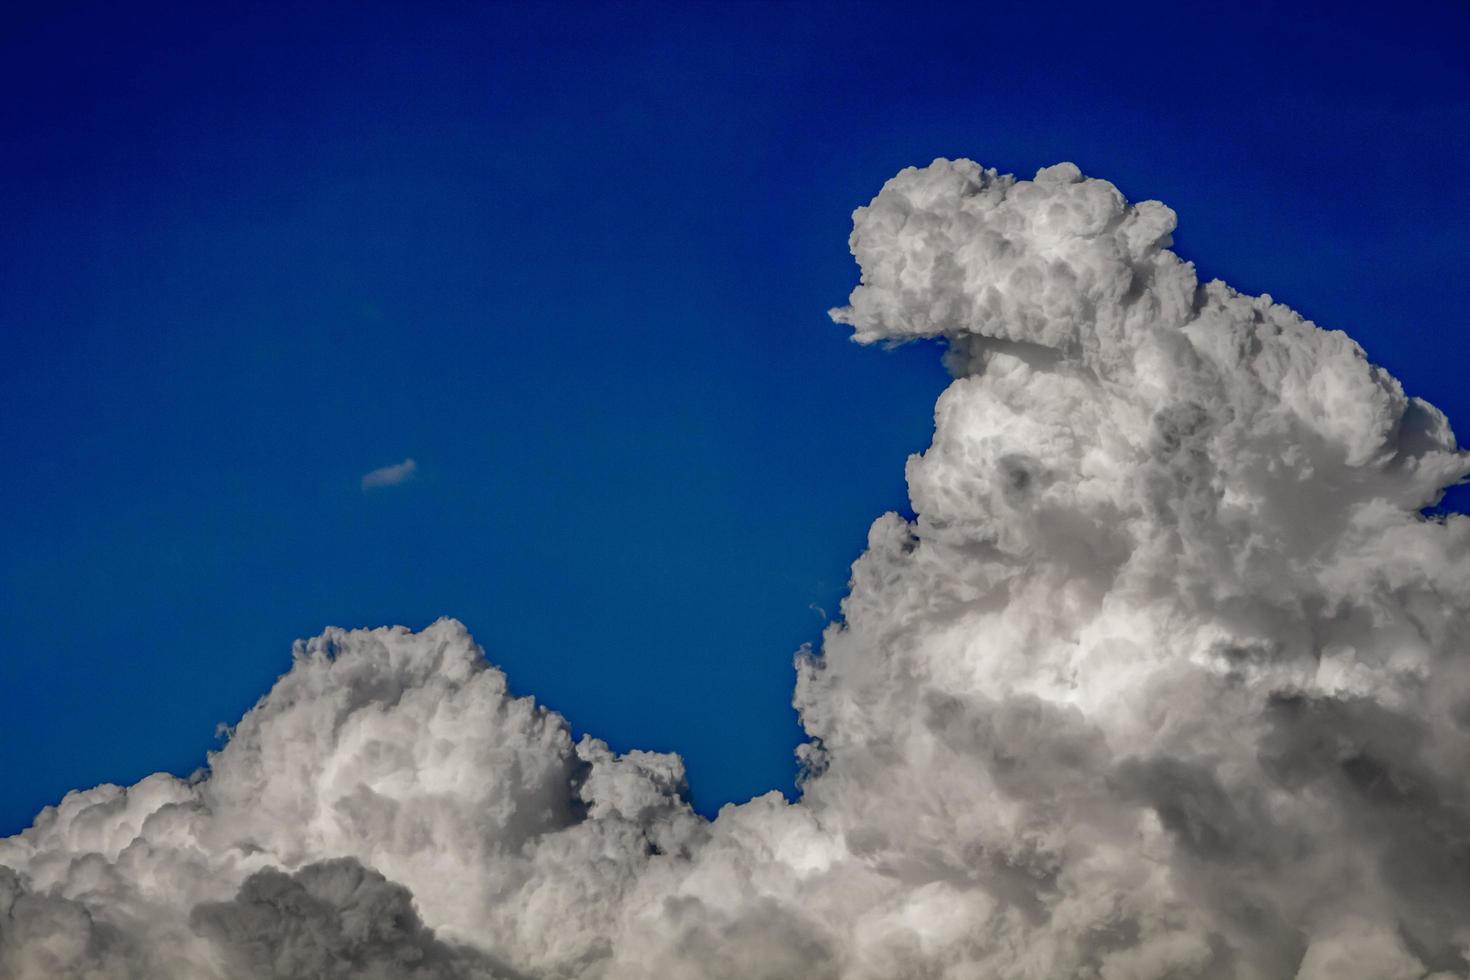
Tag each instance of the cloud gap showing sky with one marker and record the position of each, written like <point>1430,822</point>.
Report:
<point>1164,678</point>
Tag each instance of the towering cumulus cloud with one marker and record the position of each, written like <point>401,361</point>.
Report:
<point>1168,679</point>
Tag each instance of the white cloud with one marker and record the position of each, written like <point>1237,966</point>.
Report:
<point>390,476</point>
<point>1166,679</point>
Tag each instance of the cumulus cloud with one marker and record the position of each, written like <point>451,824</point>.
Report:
<point>331,919</point>
<point>1166,679</point>
<point>390,476</point>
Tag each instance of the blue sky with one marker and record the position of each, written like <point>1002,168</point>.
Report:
<point>575,262</point>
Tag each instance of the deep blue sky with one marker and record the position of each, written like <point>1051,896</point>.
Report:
<point>576,261</point>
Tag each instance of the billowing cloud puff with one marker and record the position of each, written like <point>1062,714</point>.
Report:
<point>331,919</point>
<point>1166,680</point>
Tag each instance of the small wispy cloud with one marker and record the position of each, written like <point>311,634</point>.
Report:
<point>390,476</point>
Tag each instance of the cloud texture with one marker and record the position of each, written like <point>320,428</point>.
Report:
<point>1166,680</point>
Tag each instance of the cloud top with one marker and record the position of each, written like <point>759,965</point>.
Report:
<point>390,476</point>
<point>1166,680</point>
